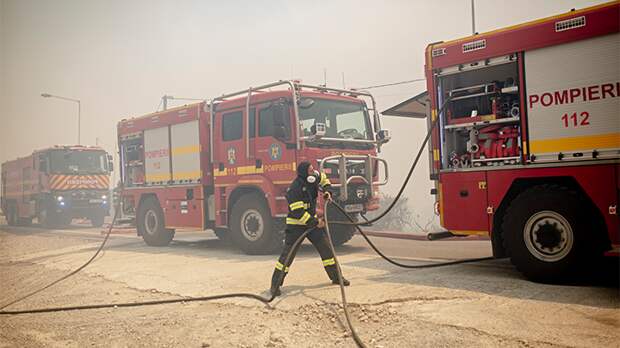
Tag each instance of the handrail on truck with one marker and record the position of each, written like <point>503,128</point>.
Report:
<point>294,86</point>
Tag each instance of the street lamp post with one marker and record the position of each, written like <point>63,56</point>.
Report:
<point>47,95</point>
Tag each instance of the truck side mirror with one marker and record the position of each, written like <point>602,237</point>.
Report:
<point>383,136</point>
<point>110,163</point>
<point>306,103</point>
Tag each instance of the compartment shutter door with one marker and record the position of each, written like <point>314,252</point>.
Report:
<point>185,153</point>
<point>573,99</point>
<point>157,156</point>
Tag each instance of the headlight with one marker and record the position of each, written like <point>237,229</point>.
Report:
<point>104,197</point>
<point>60,198</point>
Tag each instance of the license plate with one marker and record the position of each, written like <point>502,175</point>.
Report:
<point>353,208</point>
<point>95,201</point>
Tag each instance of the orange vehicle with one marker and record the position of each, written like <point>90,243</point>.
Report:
<point>56,185</point>
<point>226,165</point>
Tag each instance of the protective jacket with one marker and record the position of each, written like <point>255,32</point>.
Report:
<point>301,197</point>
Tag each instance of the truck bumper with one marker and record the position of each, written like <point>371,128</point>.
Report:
<point>79,211</point>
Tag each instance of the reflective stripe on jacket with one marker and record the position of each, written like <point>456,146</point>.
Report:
<point>301,198</point>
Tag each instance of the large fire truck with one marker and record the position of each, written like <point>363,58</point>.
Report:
<point>225,164</point>
<point>525,143</point>
<point>56,185</point>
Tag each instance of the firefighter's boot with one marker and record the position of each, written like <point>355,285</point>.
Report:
<point>332,272</point>
<point>277,279</point>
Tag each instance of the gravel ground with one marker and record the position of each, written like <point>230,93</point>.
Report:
<point>436,308</point>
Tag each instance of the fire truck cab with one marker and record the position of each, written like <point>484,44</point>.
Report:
<point>225,164</point>
<point>56,185</point>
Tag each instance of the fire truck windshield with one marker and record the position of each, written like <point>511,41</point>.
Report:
<point>86,162</point>
<point>342,119</point>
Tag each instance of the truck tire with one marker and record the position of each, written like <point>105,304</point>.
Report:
<point>223,234</point>
<point>47,218</point>
<point>11,216</point>
<point>544,230</point>
<point>97,220</point>
<point>151,225</point>
<point>64,220</point>
<point>253,229</point>
<point>24,221</point>
<point>340,233</point>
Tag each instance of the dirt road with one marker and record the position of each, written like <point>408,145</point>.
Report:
<point>486,304</point>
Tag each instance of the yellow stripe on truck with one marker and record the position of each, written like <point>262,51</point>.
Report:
<point>470,232</point>
<point>186,175</point>
<point>158,177</point>
<point>603,141</point>
<point>244,170</point>
<point>183,150</point>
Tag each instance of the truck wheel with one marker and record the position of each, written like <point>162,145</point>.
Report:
<point>223,234</point>
<point>150,224</point>
<point>24,221</point>
<point>11,216</point>
<point>97,220</point>
<point>64,220</point>
<point>253,229</point>
<point>47,218</point>
<point>340,233</point>
<point>543,231</point>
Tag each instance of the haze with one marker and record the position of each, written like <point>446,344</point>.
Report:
<point>120,57</point>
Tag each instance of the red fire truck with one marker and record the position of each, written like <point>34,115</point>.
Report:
<point>527,145</point>
<point>525,141</point>
<point>56,185</point>
<point>226,164</point>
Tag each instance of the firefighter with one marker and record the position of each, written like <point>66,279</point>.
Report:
<point>301,197</point>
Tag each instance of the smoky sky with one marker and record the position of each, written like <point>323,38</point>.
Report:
<point>120,57</point>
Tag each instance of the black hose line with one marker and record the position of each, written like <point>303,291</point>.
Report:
<point>105,240</point>
<point>388,259</point>
<point>134,304</point>
<point>345,305</point>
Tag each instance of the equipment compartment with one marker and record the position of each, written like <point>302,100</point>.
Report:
<point>481,122</point>
<point>132,152</point>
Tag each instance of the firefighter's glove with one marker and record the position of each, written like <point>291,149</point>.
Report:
<point>321,223</point>
<point>313,223</point>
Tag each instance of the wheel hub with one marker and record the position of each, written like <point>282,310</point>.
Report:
<point>548,236</point>
<point>252,225</point>
<point>151,223</point>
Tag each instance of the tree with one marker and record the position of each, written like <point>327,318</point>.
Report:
<point>401,217</point>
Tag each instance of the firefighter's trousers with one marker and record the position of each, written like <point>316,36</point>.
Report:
<point>318,238</point>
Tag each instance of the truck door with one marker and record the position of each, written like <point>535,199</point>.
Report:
<point>230,150</point>
<point>463,202</point>
<point>274,144</point>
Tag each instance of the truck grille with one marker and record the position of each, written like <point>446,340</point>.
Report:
<point>357,193</point>
<point>332,172</point>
